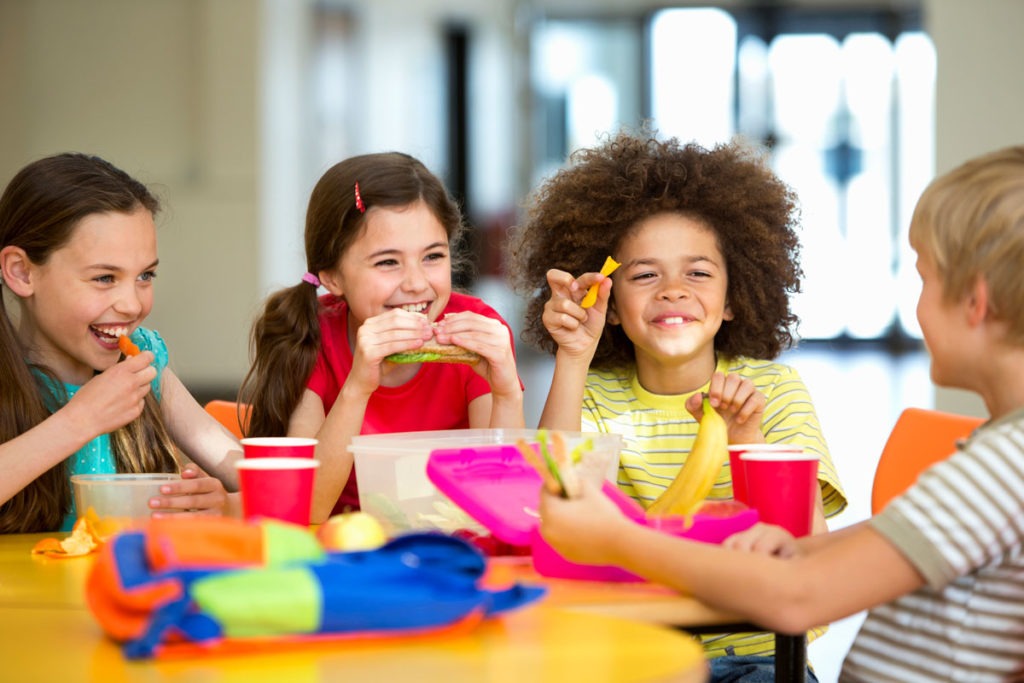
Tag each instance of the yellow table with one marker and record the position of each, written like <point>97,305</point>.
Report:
<point>46,633</point>
<point>651,604</point>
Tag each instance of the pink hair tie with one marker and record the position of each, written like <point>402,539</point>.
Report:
<point>311,279</point>
<point>359,201</point>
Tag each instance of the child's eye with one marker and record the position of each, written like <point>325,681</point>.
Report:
<point>643,276</point>
<point>386,263</point>
<point>436,256</point>
<point>700,274</point>
<point>148,276</point>
<point>105,279</point>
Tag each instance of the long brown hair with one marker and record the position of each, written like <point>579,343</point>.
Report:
<point>285,339</point>
<point>39,211</point>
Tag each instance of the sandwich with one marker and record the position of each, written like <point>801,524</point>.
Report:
<point>435,352</point>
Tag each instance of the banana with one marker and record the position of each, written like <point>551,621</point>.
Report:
<point>694,481</point>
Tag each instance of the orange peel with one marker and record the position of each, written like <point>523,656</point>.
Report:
<point>590,298</point>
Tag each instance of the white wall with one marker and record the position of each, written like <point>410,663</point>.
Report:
<point>166,91</point>
<point>979,98</point>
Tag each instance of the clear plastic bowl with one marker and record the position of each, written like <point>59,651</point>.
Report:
<point>120,501</point>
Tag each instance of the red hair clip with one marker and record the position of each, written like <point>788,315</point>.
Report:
<point>359,201</point>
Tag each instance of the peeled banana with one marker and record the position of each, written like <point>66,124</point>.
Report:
<point>694,481</point>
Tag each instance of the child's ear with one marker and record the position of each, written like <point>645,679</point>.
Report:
<point>330,280</point>
<point>16,268</point>
<point>612,315</point>
<point>727,314</point>
<point>977,302</point>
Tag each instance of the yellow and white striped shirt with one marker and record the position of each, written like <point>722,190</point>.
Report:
<point>658,434</point>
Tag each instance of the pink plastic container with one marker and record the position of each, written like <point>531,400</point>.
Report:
<point>498,488</point>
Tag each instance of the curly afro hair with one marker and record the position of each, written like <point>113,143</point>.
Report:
<point>583,212</point>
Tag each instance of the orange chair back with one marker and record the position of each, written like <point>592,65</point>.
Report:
<point>228,414</point>
<point>920,438</point>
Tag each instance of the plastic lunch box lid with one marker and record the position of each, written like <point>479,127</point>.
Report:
<point>493,484</point>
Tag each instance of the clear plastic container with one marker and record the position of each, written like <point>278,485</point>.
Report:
<point>393,484</point>
<point>120,501</point>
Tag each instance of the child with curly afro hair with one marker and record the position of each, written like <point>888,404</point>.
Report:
<point>700,305</point>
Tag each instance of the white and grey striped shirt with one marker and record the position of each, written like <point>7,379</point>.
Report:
<point>962,526</point>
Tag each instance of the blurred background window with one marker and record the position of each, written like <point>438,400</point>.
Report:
<point>842,100</point>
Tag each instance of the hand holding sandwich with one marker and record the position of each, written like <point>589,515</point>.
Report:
<point>380,336</point>
<point>490,341</point>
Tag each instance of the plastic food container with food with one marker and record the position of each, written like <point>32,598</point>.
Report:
<point>498,487</point>
<point>393,482</point>
<point>119,501</point>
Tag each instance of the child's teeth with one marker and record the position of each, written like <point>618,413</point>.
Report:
<point>673,321</point>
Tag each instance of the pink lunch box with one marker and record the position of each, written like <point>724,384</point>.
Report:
<point>496,486</point>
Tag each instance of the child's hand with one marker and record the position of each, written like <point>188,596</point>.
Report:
<point>582,528</point>
<point>380,336</point>
<point>575,329</point>
<point>196,494</point>
<point>113,398</point>
<point>739,403</point>
<point>488,338</point>
<point>766,539</point>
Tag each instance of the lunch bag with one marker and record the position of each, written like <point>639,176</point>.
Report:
<point>193,585</point>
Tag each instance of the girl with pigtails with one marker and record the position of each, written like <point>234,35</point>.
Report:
<point>380,238</point>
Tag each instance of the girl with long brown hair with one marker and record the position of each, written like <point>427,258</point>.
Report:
<point>78,256</point>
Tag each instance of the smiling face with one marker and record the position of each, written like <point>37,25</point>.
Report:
<point>670,298</point>
<point>95,287</point>
<point>401,260</point>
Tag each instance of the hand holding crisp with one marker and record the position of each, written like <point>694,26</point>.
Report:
<point>590,298</point>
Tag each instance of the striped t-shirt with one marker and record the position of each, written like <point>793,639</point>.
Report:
<point>658,433</point>
<point>961,526</point>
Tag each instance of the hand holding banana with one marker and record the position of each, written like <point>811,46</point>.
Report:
<point>694,481</point>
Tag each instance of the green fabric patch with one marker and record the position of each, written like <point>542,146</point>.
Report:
<point>286,543</point>
<point>261,602</point>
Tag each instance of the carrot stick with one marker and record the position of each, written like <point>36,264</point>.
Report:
<point>550,483</point>
<point>127,346</point>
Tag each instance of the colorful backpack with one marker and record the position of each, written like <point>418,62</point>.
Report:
<point>191,585</point>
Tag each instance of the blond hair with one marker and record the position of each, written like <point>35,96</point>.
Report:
<point>971,222</point>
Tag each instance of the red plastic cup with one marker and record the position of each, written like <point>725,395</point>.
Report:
<point>278,488</point>
<point>782,486</point>
<point>278,447</point>
<point>738,473</point>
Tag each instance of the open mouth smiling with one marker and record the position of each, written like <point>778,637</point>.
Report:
<point>109,335</point>
<point>673,320</point>
<point>420,307</point>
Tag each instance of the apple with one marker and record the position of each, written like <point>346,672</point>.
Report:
<point>351,531</point>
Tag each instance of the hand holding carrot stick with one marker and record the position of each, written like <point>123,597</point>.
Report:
<point>127,346</point>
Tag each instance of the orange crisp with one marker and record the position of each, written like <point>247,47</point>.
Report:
<point>82,541</point>
<point>607,269</point>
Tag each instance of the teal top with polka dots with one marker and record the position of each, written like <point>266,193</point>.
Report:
<point>96,457</point>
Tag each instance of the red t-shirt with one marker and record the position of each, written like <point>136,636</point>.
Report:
<point>437,397</point>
